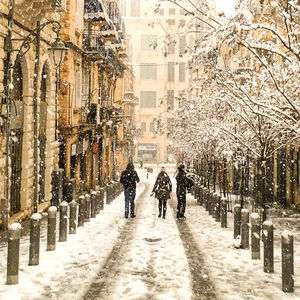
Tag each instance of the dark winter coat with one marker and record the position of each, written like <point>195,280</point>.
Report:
<point>129,177</point>
<point>183,182</point>
<point>162,186</point>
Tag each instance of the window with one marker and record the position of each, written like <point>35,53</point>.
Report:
<point>171,72</point>
<point>79,15</point>
<point>182,12</point>
<point>171,44</point>
<point>172,11</point>
<point>170,125</point>
<point>152,126</point>
<point>148,99</point>
<point>171,21</point>
<point>135,9</point>
<point>143,126</point>
<point>191,43</point>
<point>170,99</point>
<point>85,84</point>
<point>190,75</point>
<point>78,89</point>
<point>182,72</point>
<point>161,11</point>
<point>148,42</point>
<point>182,23</point>
<point>148,72</point>
<point>181,45</point>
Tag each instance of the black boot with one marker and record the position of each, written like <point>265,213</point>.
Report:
<point>159,214</point>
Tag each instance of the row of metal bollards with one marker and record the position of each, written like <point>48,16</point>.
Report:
<point>76,212</point>
<point>217,208</point>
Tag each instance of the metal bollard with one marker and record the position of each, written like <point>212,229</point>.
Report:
<point>245,229</point>
<point>69,188</point>
<point>201,195</point>
<point>81,213</point>
<point>98,202</point>
<point>13,253</point>
<point>268,239</point>
<point>287,243</point>
<point>51,228</point>
<point>107,194</point>
<point>196,192</point>
<point>237,221</point>
<point>34,249</point>
<point>204,197</point>
<point>215,205</point>
<point>87,214</point>
<point>73,217</point>
<point>101,198</point>
<point>93,204</point>
<point>255,236</point>
<point>224,213</point>
<point>211,203</point>
<point>63,221</point>
<point>207,199</point>
<point>218,209</point>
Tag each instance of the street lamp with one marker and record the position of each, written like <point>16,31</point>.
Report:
<point>58,49</point>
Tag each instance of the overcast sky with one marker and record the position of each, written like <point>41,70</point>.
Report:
<point>226,5</point>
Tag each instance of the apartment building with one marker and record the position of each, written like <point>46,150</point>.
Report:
<point>161,38</point>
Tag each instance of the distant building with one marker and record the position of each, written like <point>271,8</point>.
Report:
<point>161,38</point>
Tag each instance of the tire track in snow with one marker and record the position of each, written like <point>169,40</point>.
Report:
<point>108,274</point>
<point>147,263</point>
<point>203,288</point>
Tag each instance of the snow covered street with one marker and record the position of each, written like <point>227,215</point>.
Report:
<point>148,258</point>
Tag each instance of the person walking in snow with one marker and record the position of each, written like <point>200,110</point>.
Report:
<point>129,178</point>
<point>183,183</point>
<point>162,189</point>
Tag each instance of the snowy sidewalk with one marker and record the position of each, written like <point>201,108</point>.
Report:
<point>235,275</point>
<point>67,272</point>
<point>149,258</point>
<point>150,262</point>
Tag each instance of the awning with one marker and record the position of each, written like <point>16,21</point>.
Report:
<point>95,11</point>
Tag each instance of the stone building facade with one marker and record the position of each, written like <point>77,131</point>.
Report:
<point>91,93</point>
<point>77,129</point>
<point>17,193</point>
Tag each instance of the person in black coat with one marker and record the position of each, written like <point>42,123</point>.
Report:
<point>183,183</point>
<point>162,189</point>
<point>129,178</point>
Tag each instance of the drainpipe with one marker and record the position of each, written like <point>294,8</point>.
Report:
<point>7,92</point>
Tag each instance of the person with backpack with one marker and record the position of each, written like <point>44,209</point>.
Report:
<point>129,178</point>
<point>162,190</point>
<point>183,184</point>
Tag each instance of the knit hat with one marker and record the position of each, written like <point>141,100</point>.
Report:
<point>181,167</point>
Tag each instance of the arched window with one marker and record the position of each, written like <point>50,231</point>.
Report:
<point>143,127</point>
<point>17,91</point>
<point>17,113</point>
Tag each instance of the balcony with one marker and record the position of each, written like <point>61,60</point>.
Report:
<point>109,32</point>
<point>94,11</point>
<point>129,98</point>
<point>94,46</point>
<point>118,44</point>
